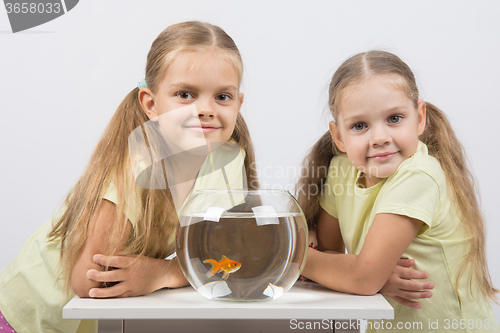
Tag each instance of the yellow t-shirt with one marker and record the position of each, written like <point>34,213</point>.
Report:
<point>418,190</point>
<point>31,295</point>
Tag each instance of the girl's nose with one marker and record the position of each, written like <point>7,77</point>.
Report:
<point>380,136</point>
<point>205,109</point>
<point>206,113</point>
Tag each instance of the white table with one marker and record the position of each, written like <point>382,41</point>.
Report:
<point>305,305</point>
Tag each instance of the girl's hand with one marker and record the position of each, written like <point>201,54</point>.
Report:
<point>134,275</point>
<point>401,287</point>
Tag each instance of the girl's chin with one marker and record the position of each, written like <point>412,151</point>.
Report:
<point>383,173</point>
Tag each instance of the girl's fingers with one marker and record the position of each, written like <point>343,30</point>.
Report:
<point>105,276</point>
<point>411,285</point>
<point>117,290</point>
<point>407,302</point>
<point>111,261</point>
<point>410,274</point>
<point>406,262</point>
<point>406,273</point>
<point>414,294</point>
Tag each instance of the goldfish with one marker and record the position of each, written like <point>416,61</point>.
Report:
<point>224,265</point>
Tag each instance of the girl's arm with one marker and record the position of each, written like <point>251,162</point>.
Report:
<point>400,286</point>
<point>136,275</point>
<point>368,272</point>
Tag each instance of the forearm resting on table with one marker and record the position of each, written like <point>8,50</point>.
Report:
<point>343,272</point>
<point>131,275</point>
<point>174,277</point>
<point>91,271</point>
<point>367,272</point>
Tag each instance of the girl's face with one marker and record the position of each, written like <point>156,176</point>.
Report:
<point>197,101</point>
<point>377,126</point>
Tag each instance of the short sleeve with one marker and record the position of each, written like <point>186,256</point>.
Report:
<point>412,193</point>
<point>327,200</point>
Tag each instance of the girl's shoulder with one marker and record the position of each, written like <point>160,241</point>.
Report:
<point>340,160</point>
<point>420,173</point>
<point>422,162</point>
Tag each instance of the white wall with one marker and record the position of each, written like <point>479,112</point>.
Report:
<point>61,82</point>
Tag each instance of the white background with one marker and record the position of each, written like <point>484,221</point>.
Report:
<point>61,82</point>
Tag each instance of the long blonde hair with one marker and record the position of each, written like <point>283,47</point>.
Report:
<point>157,220</point>
<point>440,140</point>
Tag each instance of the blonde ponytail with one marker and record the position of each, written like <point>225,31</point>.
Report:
<point>108,161</point>
<point>241,135</point>
<point>313,177</point>
<point>447,149</point>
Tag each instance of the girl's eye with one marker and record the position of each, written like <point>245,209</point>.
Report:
<point>358,127</point>
<point>394,119</point>
<point>184,95</point>
<point>223,97</point>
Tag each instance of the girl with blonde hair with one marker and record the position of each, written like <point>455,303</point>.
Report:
<point>397,186</point>
<point>111,237</point>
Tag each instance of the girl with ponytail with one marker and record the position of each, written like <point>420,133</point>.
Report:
<point>178,131</point>
<point>389,181</point>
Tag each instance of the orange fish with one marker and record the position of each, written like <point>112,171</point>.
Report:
<point>224,265</point>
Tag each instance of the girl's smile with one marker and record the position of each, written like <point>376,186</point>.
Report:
<point>382,157</point>
<point>205,129</point>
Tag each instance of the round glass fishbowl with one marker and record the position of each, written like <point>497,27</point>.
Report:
<point>242,245</point>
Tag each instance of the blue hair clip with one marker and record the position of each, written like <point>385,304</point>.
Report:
<point>142,84</point>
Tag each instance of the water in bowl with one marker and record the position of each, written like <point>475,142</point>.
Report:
<point>260,257</point>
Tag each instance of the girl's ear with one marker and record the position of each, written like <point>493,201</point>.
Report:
<point>336,137</point>
<point>421,112</point>
<point>146,98</point>
<point>240,98</point>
